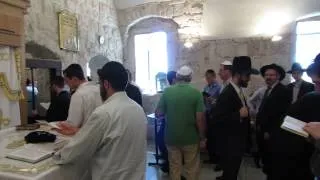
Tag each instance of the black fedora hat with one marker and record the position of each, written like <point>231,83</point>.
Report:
<point>314,68</point>
<point>242,65</point>
<point>296,67</point>
<point>275,67</point>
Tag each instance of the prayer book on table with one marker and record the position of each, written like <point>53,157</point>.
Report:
<point>30,154</point>
<point>295,126</point>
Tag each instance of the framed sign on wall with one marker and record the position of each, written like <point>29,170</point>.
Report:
<point>68,31</point>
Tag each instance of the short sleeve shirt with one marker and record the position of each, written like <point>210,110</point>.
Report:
<point>180,103</point>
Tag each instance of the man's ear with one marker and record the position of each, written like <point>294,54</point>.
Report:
<point>106,84</point>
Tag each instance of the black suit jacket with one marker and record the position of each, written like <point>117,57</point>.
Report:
<point>273,109</point>
<point>59,107</point>
<point>232,131</point>
<point>134,93</point>
<point>296,149</point>
<point>305,88</point>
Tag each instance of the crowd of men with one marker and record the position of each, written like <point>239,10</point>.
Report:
<point>232,118</point>
<point>108,124</point>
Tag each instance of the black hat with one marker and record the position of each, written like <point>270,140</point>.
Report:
<point>242,65</point>
<point>275,67</point>
<point>314,68</point>
<point>296,67</point>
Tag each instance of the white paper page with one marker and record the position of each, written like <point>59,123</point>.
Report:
<point>45,105</point>
<point>294,125</point>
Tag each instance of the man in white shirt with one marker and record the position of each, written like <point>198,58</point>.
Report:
<point>114,137</point>
<point>83,102</point>
<point>225,73</point>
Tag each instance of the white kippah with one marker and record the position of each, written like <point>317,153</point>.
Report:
<point>185,71</point>
<point>227,63</point>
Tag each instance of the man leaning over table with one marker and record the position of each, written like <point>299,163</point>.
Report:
<point>183,107</point>
<point>114,137</point>
<point>84,100</point>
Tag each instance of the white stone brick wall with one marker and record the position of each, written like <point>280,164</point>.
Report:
<point>95,17</point>
<point>207,54</point>
<point>187,13</point>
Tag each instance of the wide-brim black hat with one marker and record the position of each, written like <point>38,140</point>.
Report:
<point>296,67</point>
<point>275,67</point>
<point>242,65</point>
<point>314,68</point>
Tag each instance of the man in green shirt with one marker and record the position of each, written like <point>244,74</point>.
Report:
<point>183,107</point>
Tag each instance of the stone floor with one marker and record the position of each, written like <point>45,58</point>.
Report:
<point>247,171</point>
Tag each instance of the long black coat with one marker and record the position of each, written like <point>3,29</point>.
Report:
<point>305,88</point>
<point>232,132</point>
<point>273,109</point>
<point>298,150</point>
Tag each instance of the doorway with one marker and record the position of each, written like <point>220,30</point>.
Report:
<point>40,73</point>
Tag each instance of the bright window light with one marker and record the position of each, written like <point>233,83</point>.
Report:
<point>151,58</point>
<point>88,70</point>
<point>307,43</point>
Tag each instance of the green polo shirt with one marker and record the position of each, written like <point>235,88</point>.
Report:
<point>180,103</point>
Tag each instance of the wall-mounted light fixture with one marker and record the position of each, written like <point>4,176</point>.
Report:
<point>276,38</point>
<point>188,44</point>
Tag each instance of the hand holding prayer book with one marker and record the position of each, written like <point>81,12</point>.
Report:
<point>294,126</point>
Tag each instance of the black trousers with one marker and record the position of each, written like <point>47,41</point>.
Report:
<point>233,149</point>
<point>211,139</point>
<point>263,153</point>
<point>230,165</point>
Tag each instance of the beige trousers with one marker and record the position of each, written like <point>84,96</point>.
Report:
<point>191,156</point>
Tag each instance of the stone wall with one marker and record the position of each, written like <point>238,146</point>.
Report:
<point>187,13</point>
<point>209,54</point>
<point>205,54</point>
<point>95,17</point>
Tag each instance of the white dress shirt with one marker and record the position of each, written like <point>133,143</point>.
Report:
<point>114,138</point>
<point>240,93</point>
<point>225,84</point>
<point>296,90</point>
<point>255,100</point>
<point>83,102</point>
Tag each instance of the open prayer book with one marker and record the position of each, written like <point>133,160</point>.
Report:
<point>51,124</point>
<point>294,126</point>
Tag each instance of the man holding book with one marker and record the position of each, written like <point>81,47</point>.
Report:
<point>299,148</point>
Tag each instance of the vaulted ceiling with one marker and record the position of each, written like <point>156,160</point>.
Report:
<point>246,18</point>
